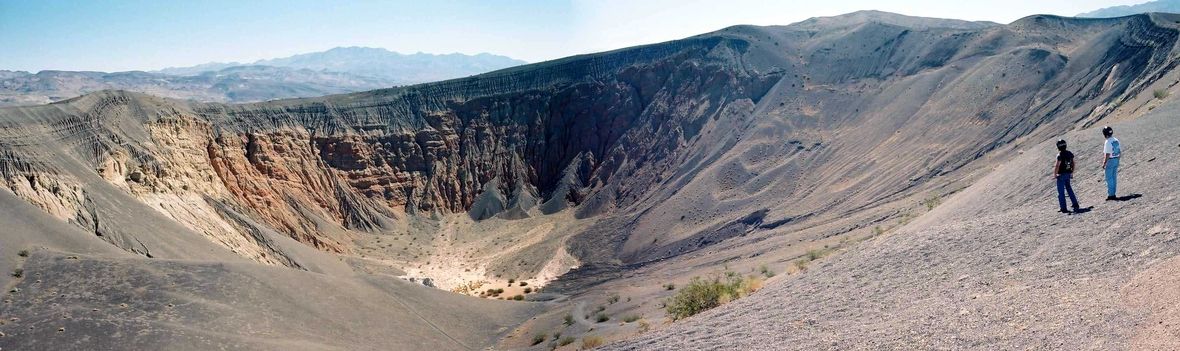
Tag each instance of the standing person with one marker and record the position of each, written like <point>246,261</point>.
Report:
<point>1110,162</point>
<point>1063,171</point>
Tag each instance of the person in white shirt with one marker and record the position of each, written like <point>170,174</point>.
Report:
<point>1110,162</point>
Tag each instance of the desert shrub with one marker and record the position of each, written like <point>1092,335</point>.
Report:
<point>1160,94</point>
<point>539,338</point>
<point>631,318</point>
<point>670,286</point>
<point>878,230</point>
<point>814,254</point>
<point>569,319</point>
<point>644,325</point>
<point>18,273</point>
<point>510,281</point>
<point>23,253</point>
<point>565,341</point>
<point>612,298</point>
<point>528,290</point>
<point>601,317</point>
<point>766,271</point>
<point>518,297</point>
<point>702,294</point>
<point>600,309</point>
<point>932,202</point>
<point>592,341</point>
<point>524,283</point>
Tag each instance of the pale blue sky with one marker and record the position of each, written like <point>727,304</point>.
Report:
<point>118,35</point>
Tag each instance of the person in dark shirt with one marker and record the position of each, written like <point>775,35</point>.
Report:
<point>1063,171</point>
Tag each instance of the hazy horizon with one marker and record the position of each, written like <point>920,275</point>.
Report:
<point>143,35</point>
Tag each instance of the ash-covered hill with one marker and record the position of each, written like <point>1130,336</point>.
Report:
<point>611,173</point>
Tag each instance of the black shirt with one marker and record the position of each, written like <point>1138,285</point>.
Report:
<point>1066,162</point>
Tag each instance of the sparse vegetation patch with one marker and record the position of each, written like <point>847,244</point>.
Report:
<point>592,341</point>
<point>703,294</point>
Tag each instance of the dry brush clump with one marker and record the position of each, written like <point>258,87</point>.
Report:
<point>1160,94</point>
<point>703,294</point>
<point>592,341</point>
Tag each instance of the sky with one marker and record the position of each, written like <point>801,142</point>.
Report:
<point>123,35</point>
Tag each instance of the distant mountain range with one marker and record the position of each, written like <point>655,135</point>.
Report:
<point>335,71</point>
<point>1172,6</point>
<point>375,62</point>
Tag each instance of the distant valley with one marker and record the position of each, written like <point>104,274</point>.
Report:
<point>335,71</point>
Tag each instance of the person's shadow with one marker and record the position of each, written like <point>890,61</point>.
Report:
<point>1083,210</point>
<point>1128,197</point>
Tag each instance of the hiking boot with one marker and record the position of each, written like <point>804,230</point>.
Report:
<point>1111,198</point>
<point>1065,211</point>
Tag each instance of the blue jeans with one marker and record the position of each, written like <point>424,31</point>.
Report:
<point>1064,187</point>
<point>1112,176</point>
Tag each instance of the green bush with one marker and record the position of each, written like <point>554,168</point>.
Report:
<point>766,271</point>
<point>518,297</point>
<point>569,319</point>
<point>524,283</point>
<point>670,286</point>
<point>23,253</point>
<point>702,294</point>
<point>1160,94</point>
<point>631,318</point>
<point>565,341</point>
<point>601,317</point>
<point>18,273</point>
<point>612,299</point>
<point>932,202</point>
<point>539,338</point>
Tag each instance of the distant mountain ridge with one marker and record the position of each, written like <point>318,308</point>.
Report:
<point>335,71</point>
<point>375,62</point>
<point>1170,6</point>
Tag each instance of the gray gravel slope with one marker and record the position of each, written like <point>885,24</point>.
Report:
<point>995,267</point>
